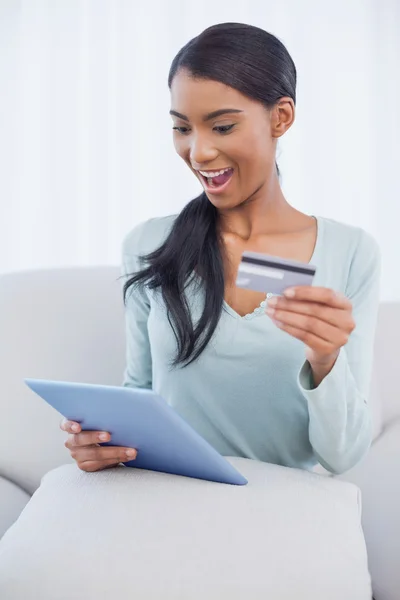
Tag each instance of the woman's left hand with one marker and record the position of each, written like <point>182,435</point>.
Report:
<point>319,317</point>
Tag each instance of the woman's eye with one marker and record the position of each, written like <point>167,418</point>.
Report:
<point>181,130</point>
<point>219,128</point>
<point>223,128</point>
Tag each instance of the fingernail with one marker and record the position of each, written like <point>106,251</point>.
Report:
<point>131,452</point>
<point>103,437</point>
<point>75,427</point>
<point>290,293</point>
<point>270,311</point>
<point>272,301</point>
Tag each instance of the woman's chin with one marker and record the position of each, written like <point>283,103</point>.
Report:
<point>221,202</point>
<point>227,202</point>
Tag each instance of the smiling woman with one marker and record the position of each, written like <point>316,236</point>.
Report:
<point>233,91</point>
<point>285,383</point>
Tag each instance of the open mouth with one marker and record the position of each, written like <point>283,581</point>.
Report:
<point>218,179</point>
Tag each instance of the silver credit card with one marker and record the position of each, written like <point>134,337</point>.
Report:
<point>265,273</point>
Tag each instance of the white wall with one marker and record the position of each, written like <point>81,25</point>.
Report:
<point>85,137</point>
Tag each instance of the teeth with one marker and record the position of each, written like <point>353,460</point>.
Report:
<point>214,173</point>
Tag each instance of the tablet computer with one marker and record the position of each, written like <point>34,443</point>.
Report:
<point>140,419</point>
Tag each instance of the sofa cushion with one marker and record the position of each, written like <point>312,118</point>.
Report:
<point>129,533</point>
<point>378,476</point>
<point>375,404</point>
<point>12,500</point>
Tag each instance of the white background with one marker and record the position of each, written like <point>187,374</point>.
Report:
<point>85,136</point>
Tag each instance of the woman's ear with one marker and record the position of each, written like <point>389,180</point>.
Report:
<point>282,116</point>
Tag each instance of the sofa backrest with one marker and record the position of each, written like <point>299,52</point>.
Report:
<point>387,360</point>
<point>68,324</point>
<point>65,324</point>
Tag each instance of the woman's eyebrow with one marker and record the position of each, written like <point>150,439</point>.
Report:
<point>211,115</point>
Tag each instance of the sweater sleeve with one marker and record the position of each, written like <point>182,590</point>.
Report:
<point>138,370</point>
<point>340,424</point>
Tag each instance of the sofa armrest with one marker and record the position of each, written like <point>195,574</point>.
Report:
<point>12,501</point>
<point>378,477</point>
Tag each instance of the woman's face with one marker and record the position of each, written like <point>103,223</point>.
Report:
<point>242,140</point>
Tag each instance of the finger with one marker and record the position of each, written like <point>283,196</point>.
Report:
<point>311,325</point>
<point>318,294</point>
<point>87,438</point>
<point>103,453</point>
<point>309,339</point>
<point>336,317</point>
<point>70,426</point>
<point>92,466</point>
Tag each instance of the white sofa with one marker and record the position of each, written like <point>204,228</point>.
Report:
<point>68,324</point>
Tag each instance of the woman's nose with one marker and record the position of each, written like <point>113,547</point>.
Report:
<point>202,151</point>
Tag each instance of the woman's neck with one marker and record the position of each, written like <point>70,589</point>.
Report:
<point>261,215</point>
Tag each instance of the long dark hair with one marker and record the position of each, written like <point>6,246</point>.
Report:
<point>258,65</point>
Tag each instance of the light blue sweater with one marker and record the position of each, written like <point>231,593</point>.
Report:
<point>250,393</point>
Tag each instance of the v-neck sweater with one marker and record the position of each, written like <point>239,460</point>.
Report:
<point>251,393</point>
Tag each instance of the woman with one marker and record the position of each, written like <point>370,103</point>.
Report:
<point>283,381</point>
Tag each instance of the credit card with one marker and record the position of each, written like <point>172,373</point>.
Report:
<point>265,273</point>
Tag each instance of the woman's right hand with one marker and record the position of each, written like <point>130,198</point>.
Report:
<point>84,448</point>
